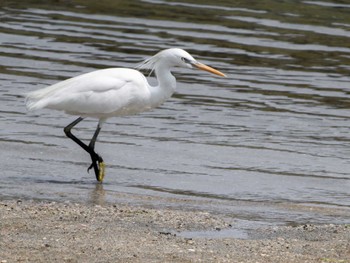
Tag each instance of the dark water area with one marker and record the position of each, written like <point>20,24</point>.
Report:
<point>273,134</point>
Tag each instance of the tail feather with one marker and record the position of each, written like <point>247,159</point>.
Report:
<point>34,104</point>
<point>38,99</point>
<point>34,100</point>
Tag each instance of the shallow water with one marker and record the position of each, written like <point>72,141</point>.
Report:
<point>275,131</point>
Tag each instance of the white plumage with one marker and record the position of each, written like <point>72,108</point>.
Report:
<point>113,92</point>
<point>101,94</point>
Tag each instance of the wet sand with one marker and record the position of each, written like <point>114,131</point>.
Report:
<point>43,231</point>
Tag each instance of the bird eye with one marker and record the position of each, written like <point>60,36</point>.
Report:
<point>186,60</point>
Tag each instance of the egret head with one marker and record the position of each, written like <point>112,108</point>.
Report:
<point>176,57</point>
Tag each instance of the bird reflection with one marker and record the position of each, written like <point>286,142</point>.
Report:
<point>97,195</point>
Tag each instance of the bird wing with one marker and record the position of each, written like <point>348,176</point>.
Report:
<point>93,94</point>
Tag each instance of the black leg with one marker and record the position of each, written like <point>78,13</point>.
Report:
<point>97,161</point>
<point>67,131</point>
<point>93,139</point>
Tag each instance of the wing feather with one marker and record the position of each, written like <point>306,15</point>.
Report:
<point>95,93</point>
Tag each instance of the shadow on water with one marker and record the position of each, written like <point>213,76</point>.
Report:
<point>275,131</point>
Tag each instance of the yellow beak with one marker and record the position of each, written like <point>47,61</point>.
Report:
<point>209,69</point>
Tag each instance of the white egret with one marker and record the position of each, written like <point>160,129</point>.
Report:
<point>113,92</point>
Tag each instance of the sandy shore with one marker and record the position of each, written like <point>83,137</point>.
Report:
<point>72,232</point>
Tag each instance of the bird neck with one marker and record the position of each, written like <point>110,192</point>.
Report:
<point>166,82</point>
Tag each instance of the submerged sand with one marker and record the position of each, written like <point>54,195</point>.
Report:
<point>43,231</point>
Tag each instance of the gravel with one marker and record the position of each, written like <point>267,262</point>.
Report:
<point>33,231</point>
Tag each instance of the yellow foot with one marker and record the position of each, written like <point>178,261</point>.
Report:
<point>101,171</point>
